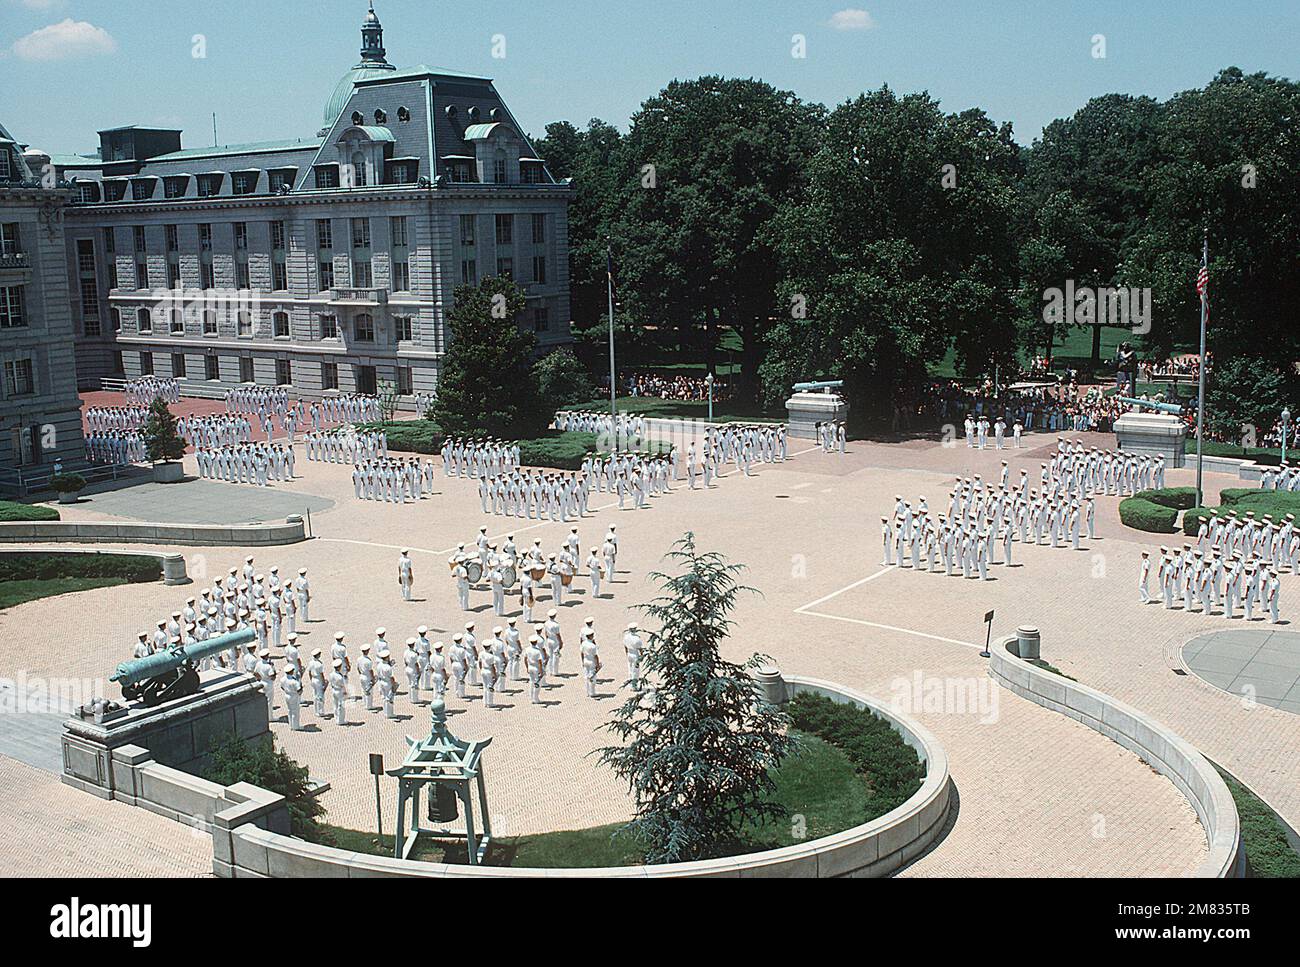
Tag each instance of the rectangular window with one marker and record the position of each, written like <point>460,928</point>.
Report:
<point>329,327</point>
<point>143,321</point>
<point>209,322</point>
<point>9,245</point>
<point>119,364</point>
<point>398,226</point>
<point>541,319</point>
<point>361,275</point>
<point>177,322</point>
<point>467,230</point>
<point>360,233</point>
<point>139,238</point>
<point>506,268</point>
<point>11,307</point>
<point>468,272</point>
<point>327,176</point>
<point>85,250</point>
<point>245,369</point>
<point>279,180</point>
<point>241,183</point>
<point>6,172</point>
<point>110,246</point>
<point>280,322</point>
<point>499,171</point>
<point>363,328</point>
<point>174,187</point>
<point>19,379</point>
<point>207,277</point>
<point>142,275</point>
<point>173,275</point>
<point>404,328</point>
<point>211,367</point>
<point>283,373</point>
<point>404,381</point>
<point>209,185</point>
<point>89,299</point>
<point>87,193</point>
<point>401,277</point>
<point>142,189</point>
<point>173,238</point>
<point>539,229</point>
<point>244,324</point>
<point>531,173</point>
<point>178,365</point>
<point>324,233</point>
<point>241,235</point>
<point>277,236</point>
<point>146,364</point>
<point>329,375</point>
<point>112,275</point>
<point>205,238</point>
<point>242,280</point>
<point>505,229</point>
<point>326,275</point>
<point>539,269</point>
<point>279,276</point>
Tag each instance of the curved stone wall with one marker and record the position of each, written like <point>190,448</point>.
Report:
<point>291,531</point>
<point>873,849</point>
<point>1142,735</point>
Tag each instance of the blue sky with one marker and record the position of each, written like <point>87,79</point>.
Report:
<point>71,67</point>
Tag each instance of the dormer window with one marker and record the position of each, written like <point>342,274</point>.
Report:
<point>6,166</point>
<point>209,185</point>
<point>357,119</point>
<point>243,182</point>
<point>403,115</point>
<point>327,176</point>
<point>381,117</point>
<point>174,187</point>
<point>114,190</point>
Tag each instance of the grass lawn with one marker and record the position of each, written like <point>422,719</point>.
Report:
<point>1271,855</point>
<point>19,592</point>
<point>13,511</point>
<point>818,784</point>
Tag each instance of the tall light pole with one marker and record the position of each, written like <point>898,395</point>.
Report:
<point>708,381</point>
<point>1286,422</point>
<point>1203,284</point>
<point>613,385</point>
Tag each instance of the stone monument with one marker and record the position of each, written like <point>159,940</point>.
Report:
<point>1161,431</point>
<point>814,403</point>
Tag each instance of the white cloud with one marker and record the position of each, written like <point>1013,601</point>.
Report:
<point>60,41</point>
<point>852,19</point>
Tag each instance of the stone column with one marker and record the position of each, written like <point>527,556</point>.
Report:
<point>771,685</point>
<point>1028,642</point>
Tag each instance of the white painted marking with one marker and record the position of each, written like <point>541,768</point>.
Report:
<point>883,627</point>
<point>850,587</point>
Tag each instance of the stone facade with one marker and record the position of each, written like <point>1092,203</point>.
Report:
<point>40,414</point>
<point>327,263</point>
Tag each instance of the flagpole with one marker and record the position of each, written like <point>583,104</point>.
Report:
<point>613,386</point>
<point>1200,403</point>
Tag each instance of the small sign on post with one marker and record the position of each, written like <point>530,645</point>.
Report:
<point>377,770</point>
<point>988,635</point>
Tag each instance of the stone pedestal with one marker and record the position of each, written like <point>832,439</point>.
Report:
<point>806,410</point>
<point>1153,433</point>
<point>178,733</point>
<point>169,472</point>
<point>1028,642</point>
<point>772,685</point>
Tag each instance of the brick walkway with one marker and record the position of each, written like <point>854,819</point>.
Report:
<point>1040,794</point>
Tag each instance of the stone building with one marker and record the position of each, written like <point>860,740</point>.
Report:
<point>40,413</point>
<point>325,262</point>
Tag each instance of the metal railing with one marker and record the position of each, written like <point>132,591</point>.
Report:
<point>25,481</point>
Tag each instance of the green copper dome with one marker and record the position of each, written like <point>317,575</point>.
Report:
<point>343,89</point>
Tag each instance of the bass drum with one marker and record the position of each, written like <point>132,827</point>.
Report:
<point>538,573</point>
<point>475,570</point>
<point>508,576</point>
<point>566,579</point>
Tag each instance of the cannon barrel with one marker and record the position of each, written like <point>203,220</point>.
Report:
<point>1150,404</point>
<point>138,670</point>
<point>824,384</point>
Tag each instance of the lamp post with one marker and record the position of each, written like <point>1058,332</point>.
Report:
<point>708,381</point>
<point>613,386</point>
<point>1286,422</point>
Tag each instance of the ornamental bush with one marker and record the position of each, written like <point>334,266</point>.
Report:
<point>133,568</point>
<point>1144,515</point>
<point>11,511</point>
<point>1179,498</point>
<point>67,483</point>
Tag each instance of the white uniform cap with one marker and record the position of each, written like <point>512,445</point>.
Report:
<point>552,613</point>
<point>380,632</point>
<point>338,662</point>
<point>422,630</point>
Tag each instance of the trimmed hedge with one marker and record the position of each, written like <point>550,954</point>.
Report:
<point>892,769</point>
<point>1179,498</point>
<point>1145,515</point>
<point>554,450</point>
<point>132,568</point>
<point>1279,503</point>
<point>11,511</point>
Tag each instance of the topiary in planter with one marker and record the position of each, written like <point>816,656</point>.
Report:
<point>67,483</point>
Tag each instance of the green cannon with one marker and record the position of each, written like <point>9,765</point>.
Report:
<point>827,384</point>
<point>1173,408</point>
<point>173,673</point>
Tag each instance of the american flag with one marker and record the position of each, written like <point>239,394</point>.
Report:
<point>1202,281</point>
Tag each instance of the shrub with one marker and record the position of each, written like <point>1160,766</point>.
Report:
<point>1245,500</point>
<point>891,767</point>
<point>1192,519</point>
<point>1142,514</point>
<point>562,380</point>
<point>1179,498</point>
<point>67,483</point>
<point>408,436</point>
<point>11,511</point>
<point>262,764</point>
<point>134,568</point>
<point>561,451</point>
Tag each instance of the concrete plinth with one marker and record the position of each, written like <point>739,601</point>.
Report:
<point>806,410</point>
<point>168,472</point>
<point>1153,433</point>
<point>178,733</point>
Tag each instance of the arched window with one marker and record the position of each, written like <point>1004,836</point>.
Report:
<point>358,170</point>
<point>357,119</point>
<point>364,327</point>
<point>177,322</point>
<point>143,320</point>
<point>281,322</point>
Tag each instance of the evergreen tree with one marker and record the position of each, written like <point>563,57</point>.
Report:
<point>700,743</point>
<point>562,380</point>
<point>161,440</point>
<point>487,383</point>
<point>233,760</point>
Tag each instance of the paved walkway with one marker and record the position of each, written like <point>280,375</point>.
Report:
<point>1040,795</point>
<point>1250,663</point>
<point>197,501</point>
